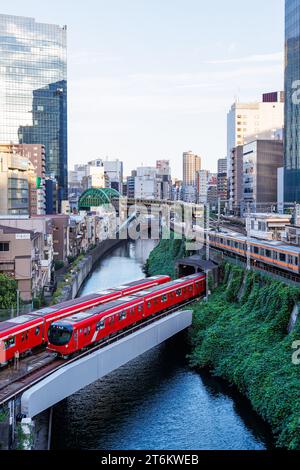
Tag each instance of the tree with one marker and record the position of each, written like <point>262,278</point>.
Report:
<point>8,291</point>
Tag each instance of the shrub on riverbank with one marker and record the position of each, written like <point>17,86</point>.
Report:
<point>162,259</point>
<point>241,334</point>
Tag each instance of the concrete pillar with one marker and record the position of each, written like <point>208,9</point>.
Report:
<point>25,436</point>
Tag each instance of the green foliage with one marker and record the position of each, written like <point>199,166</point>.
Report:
<point>246,342</point>
<point>8,292</point>
<point>58,264</point>
<point>162,258</point>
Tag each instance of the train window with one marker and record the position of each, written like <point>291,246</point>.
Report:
<point>222,240</point>
<point>184,290</point>
<point>23,337</point>
<point>296,261</point>
<point>282,257</point>
<point>132,311</point>
<point>10,343</point>
<point>140,308</point>
<point>191,288</point>
<point>37,331</point>
<point>268,254</point>
<point>80,331</point>
<point>111,320</point>
<point>100,325</point>
<point>87,331</point>
<point>149,304</point>
<point>256,250</point>
<point>164,298</point>
<point>292,260</point>
<point>178,292</point>
<point>122,316</point>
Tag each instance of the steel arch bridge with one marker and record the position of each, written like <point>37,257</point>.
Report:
<point>95,197</point>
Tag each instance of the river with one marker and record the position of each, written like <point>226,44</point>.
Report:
<point>156,402</point>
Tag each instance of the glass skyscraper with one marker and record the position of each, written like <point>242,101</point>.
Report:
<point>292,104</point>
<point>33,90</point>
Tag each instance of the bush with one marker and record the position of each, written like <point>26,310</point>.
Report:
<point>246,342</point>
<point>58,264</point>
<point>162,259</point>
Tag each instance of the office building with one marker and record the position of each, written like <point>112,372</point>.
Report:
<point>147,185</point>
<point>261,160</point>
<point>131,184</point>
<point>247,122</point>
<point>191,165</point>
<point>164,175</point>
<point>222,165</point>
<point>236,180</point>
<point>202,186</point>
<point>33,94</point>
<point>292,102</point>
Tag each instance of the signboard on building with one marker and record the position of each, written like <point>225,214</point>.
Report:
<point>22,236</point>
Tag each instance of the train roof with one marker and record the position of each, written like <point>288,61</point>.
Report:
<point>17,321</point>
<point>77,317</point>
<point>139,282</point>
<point>169,285</point>
<point>268,244</point>
<point>69,303</point>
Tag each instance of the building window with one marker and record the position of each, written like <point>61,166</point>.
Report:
<point>4,246</point>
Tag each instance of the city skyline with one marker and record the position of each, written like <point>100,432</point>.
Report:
<point>151,96</point>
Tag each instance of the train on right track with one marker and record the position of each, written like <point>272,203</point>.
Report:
<point>276,254</point>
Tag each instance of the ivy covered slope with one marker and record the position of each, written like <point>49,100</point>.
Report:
<point>242,335</point>
<point>162,259</point>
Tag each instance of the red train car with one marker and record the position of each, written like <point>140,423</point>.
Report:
<point>22,334</point>
<point>59,311</point>
<point>88,328</point>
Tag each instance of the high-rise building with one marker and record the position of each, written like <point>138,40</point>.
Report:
<point>33,92</point>
<point>236,179</point>
<point>164,175</point>
<point>261,160</point>
<point>292,106</point>
<point>114,170</point>
<point>147,185</point>
<point>202,186</point>
<point>252,121</point>
<point>222,165</point>
<point>191,164</point>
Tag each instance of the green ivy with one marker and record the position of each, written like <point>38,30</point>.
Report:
<point>245,341</point>
<point>162,259</point>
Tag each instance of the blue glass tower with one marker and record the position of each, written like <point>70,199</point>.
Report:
<point>292,102</point>
<point>33,90</point>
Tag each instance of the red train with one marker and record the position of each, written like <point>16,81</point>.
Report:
<point>22,334</point>
<point>88,328</point>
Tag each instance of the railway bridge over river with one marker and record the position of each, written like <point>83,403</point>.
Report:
<point>30,398</point>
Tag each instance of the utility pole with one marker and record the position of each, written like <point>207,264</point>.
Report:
<point>248,228</point>
<point>207,247</point>
<point>18,302</point>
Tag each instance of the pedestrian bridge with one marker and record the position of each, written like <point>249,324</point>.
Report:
<point>84,371</point>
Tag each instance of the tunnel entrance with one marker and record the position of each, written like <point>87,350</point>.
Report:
<point>195,264</point>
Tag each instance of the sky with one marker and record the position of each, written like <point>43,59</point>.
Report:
<point>151,79</point>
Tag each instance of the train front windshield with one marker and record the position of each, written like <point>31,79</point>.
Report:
<point>59,335</point>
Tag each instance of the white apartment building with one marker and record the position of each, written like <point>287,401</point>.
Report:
<point>202,186</point>
<point>147,185</point>
<point>251,121</point>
